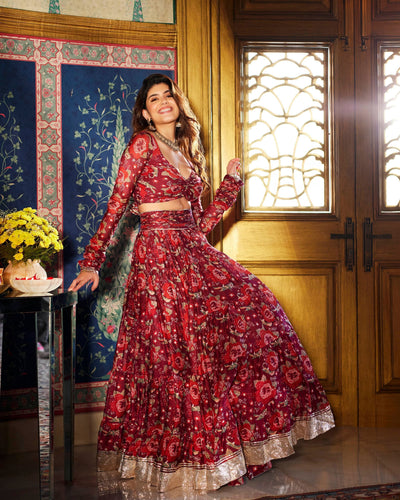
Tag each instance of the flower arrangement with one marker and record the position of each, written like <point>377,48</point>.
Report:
<point>24,235</point>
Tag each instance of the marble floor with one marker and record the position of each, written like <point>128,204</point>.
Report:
<point>343,457</point>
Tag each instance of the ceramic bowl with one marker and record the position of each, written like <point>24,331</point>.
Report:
<point>35,287</point>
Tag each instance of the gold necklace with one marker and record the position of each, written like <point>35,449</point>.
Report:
<point>172,144</point>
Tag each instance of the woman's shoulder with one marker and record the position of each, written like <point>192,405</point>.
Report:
<point>141,134</point>
<point>139,145</point>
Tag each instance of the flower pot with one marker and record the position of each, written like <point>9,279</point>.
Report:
<point>23,269</point>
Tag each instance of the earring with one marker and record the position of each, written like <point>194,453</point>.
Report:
<point>150,125</point>
<point>178,125</point>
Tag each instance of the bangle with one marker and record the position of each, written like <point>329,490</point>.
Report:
<point>90,269</point>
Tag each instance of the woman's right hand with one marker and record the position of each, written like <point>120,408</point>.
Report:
<point>233,167</point>
<point>83,278</point>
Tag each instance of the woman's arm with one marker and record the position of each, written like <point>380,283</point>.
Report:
<point>224,198</point>
<point>131,164</point>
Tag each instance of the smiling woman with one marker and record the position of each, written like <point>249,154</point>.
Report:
<point>209,381</point>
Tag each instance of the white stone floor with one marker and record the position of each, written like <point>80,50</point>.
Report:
<point>344,457</point>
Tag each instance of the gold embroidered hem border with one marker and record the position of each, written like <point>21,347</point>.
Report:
<point>282,445</point>
<point>212,477</point>
<point>186,475</point>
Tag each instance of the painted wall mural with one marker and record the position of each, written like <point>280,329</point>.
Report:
<point>17,144</point>
<point>148,11</point>
<point>65,119</point>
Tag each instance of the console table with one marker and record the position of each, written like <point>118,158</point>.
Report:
<point>48,306</point>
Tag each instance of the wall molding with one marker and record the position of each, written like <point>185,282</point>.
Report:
<point>29,23</point>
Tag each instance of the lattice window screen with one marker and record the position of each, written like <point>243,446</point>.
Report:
<point>389,94</point>
<point>286,113</point>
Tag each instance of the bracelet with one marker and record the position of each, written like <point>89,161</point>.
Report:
<point>90,269</point>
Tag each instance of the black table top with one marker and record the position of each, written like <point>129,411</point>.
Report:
<point>37,303</point>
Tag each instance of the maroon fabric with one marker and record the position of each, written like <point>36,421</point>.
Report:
<point>206,358</point>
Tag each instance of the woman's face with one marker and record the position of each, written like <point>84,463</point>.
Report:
<point>160,105</point>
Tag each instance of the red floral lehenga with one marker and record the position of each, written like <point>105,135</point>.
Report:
<point>209,382</point>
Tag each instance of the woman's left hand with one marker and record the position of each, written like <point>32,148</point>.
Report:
<point>233,167</point>
<point>84,277</point>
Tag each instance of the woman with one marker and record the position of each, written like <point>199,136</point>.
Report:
<point>209,381</point>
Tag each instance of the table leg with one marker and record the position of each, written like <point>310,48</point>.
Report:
<point>46,409</point>
<point>1,345</point>
<point>68,325</point>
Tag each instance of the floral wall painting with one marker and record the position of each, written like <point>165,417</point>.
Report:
<point>148,11</point>
<point>65,119</point>
<point>17,143</point>
<point>97,104</point>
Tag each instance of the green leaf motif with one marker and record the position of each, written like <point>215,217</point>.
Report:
<point>100,133</point>
<point>10,144</point>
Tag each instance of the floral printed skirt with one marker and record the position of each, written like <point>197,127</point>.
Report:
<point>209,381</point>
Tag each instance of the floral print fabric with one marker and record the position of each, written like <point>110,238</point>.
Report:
<point>209,382</point>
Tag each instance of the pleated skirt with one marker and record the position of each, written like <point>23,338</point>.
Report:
<point>209,382</point>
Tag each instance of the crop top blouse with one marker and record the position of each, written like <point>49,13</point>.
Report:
<point>146,176</point>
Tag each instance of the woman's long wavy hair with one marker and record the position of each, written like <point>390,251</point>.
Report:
<point>187,135</point>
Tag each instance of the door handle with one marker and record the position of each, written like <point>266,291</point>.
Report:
<point>369,238</point>
<point>345,36</point>
<point>348,236</point>
<point>363,15</point>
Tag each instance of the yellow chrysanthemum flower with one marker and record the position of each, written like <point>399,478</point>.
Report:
<point>16,238</point>
<point>24,235</point>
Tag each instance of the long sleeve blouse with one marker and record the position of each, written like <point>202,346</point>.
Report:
<point>146,176</point>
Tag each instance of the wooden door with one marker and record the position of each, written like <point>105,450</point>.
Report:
<point>345,310</point>
<point>377,70</point>
<point>335,269</point>
<point>302,248</point>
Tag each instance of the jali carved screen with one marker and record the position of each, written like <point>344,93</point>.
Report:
<point>286,118</point>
